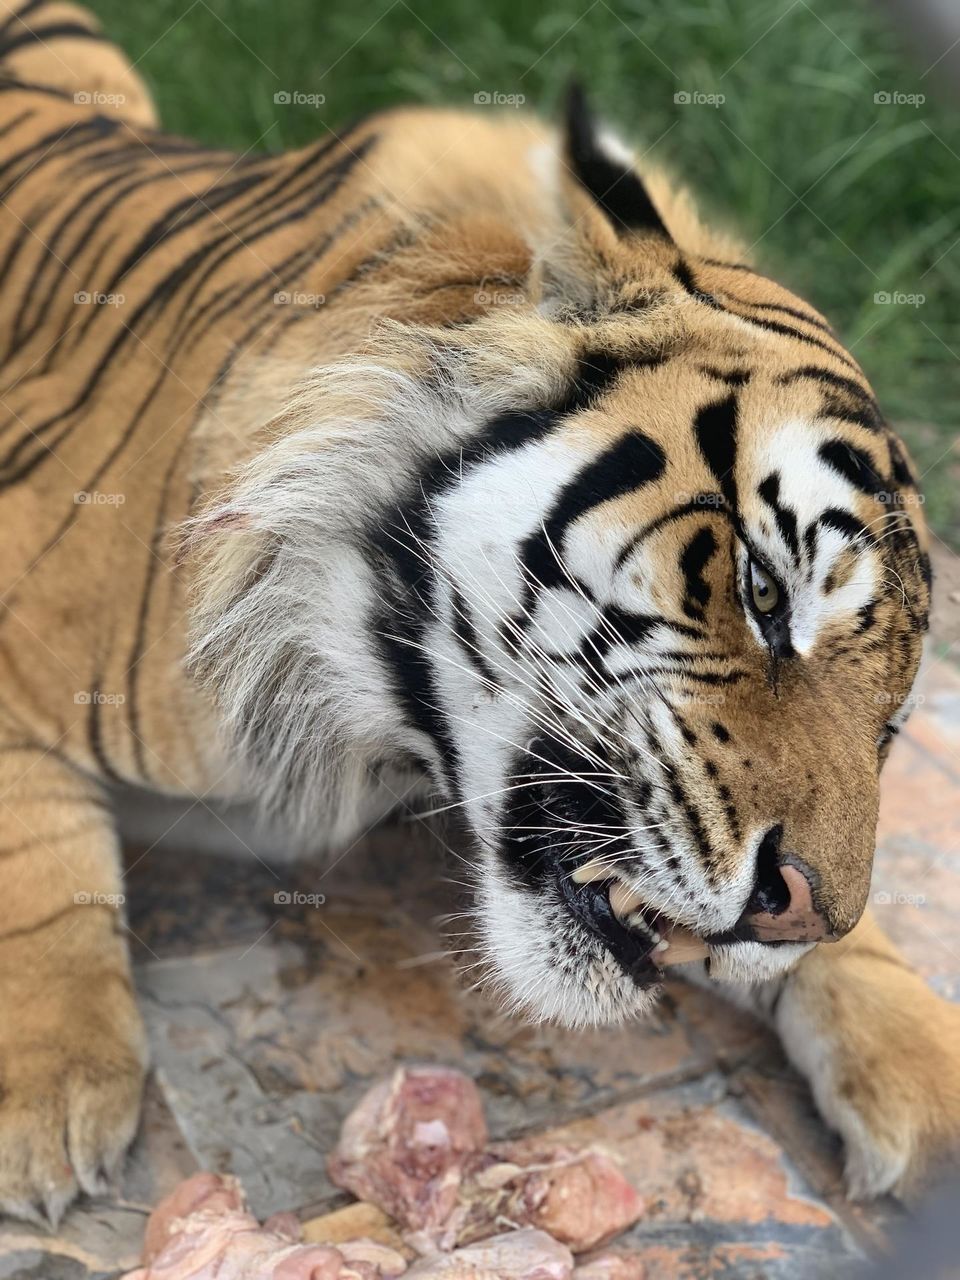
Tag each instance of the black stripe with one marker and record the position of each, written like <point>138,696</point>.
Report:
<point>853,464</point>
<point>715,429</point>
<point>864,411</point>
<point>685,278</point>
<point>694,559</point>
<point>696,504</point>
<point>466,634</point>
<point>629,465</point>
<point>769,491</point>
<point>30,7</point>
<point>95,736</point>
<point>845,523</point>
<point>44,35</point>
<point>158,298</point>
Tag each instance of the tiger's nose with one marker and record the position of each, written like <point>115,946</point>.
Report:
<point>782,906</point>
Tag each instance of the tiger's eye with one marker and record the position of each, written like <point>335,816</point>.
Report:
<point>765,592</point>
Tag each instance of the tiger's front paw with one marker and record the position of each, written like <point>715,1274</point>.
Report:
<point>72,1061</point>
<point>883,1060</point>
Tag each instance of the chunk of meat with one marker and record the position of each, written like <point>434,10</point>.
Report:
<point>580,1197</point>
<point>415,1146</point>
<point>404,1146</point>
<point>515,1255</point>
<point>203,1231</point>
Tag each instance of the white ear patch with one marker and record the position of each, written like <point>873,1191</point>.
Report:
<point>615,149</point>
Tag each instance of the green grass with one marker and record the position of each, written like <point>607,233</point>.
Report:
<point>844,197</point>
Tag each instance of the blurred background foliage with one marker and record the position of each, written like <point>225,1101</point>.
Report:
<point>832,150</point>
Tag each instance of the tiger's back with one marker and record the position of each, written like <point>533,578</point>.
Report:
<point>154,278</point>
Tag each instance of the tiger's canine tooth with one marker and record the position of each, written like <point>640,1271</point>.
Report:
<point>595,869</point>
<point>623,900</point>
<point>682,946</point>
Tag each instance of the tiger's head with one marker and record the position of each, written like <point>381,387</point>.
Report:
<point>646,599</point>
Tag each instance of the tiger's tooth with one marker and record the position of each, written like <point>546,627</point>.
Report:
<point>595,869</point>
<point>623,900</point>
<point>639,921</point>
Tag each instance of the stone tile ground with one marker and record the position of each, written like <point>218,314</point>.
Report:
<point>268,1019</point>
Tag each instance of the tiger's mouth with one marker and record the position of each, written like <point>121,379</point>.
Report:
<point>642,940</point>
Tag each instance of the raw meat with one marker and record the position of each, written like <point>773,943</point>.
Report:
<point>416,1147</point>
<point>405,1144</point>
<point>203,1231</point>
<point>580,1197</point>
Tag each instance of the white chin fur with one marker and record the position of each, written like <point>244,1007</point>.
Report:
<point>752,962</point>
<point>546,967</point>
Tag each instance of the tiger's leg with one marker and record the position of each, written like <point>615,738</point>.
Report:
<point>72,1046</point>
<point>60,45</point>
<point>881,1052</point>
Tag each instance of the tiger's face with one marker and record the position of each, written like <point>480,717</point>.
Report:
<point>672,630</point>
<point>631,568</point>
<point>667,622</point>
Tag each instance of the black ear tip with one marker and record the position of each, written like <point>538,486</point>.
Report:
<point>616,188</point>
<point>580,126</point>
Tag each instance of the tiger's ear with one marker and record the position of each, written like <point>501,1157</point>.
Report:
<point>609,178</point>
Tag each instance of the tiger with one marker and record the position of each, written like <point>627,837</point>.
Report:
<point>450,456</point>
